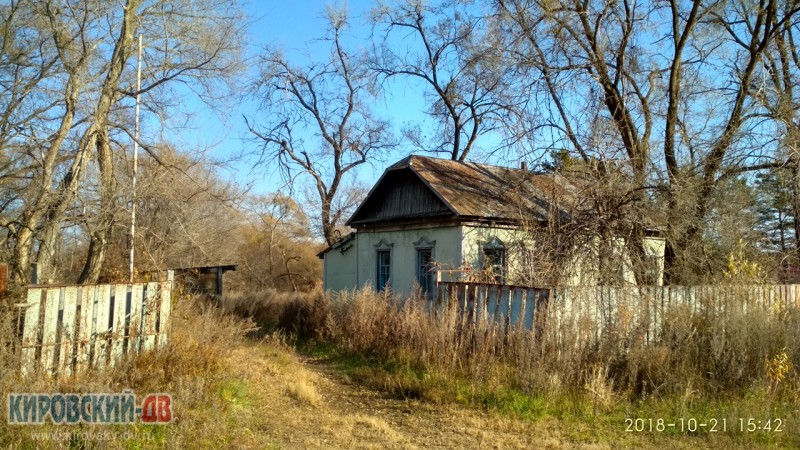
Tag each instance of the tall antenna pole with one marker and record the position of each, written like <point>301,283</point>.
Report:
<point>135,154</point>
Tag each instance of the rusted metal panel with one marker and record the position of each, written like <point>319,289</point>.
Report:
<point>418,186</point>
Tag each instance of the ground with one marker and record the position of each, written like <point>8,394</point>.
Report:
<point>285,400</point>
<point>268,395</point>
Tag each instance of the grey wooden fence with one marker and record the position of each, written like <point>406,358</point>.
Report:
<point>68,329</point>
<point>590,312</point>
<point>516,306</point>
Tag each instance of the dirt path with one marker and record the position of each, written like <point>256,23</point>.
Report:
<point>287,401</point>
<point>304,403</point>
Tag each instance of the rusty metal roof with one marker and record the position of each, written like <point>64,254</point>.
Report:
<point>482,191</point>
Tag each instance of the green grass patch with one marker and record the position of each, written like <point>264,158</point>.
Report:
<point>234,392</point>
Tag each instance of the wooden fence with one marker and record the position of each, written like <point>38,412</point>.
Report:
<point>68,329</point>
<point>516,306</point>
<point>591,312</point>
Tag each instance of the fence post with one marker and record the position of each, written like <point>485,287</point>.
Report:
<point>30,330</point>
<point>165,308</point>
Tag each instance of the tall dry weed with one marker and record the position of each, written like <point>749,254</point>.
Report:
<point>713,350</point>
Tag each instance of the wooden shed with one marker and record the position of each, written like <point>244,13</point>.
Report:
<point>205,280</point>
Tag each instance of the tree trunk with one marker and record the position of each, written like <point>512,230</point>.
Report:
<point>21,258</point>
<point>100,237</point>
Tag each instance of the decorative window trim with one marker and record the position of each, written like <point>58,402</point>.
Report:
<point>424,242</point>
<point>494,243</point>
<point>384,245</point>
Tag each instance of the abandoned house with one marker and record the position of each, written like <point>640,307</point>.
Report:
<point>430,219</point>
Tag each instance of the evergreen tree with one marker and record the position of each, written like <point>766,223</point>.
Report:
<point>776,219</point>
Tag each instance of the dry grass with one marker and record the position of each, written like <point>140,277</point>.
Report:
<point>231,392</point>
<point>352,416</point>
<point>192,368</point>
<point>295,313</point>
<point>375,423</point>
<point>303,390</point>
<point>719,354</point>
<point>731,364</point>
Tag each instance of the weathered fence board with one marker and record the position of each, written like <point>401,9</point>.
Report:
<point>65,353</point>
<point>587,314</point>
<point>50,327</point>
<point>30,330</point>
<point>149,316</point>
<point>68,329</point>
<point>118,318</point>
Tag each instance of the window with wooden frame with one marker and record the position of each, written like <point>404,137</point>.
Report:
<point>425,266</point>
<point>494,260</point>
<point>383,267</point>
<point>425,270</point>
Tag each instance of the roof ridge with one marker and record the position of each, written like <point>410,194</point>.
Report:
<point>467,163</point>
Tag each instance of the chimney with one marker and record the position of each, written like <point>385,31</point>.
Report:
<point>524,166</point>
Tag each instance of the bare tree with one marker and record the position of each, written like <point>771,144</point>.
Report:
<point>456,54</point>
<point>187,214</point>
<point>318,121</point>
<point>35,126</point>
<point>67,76</point>
<point>670,87</point>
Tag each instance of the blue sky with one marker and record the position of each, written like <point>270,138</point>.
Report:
<point>292,26</point>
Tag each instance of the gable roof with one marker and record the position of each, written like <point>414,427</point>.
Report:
<point>467,190</point>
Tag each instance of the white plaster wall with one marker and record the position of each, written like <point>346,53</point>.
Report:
<point>656,247</point>
<point>583,269</point>
<point>340,268</point>
<point>585,265</point>
<point>455,247</point>
<point>446,253</point>
<point>476,236</point>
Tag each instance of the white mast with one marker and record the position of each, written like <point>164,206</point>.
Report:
<point>135,154</point>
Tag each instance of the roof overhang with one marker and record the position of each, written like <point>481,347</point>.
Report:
<point>341,244</point>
